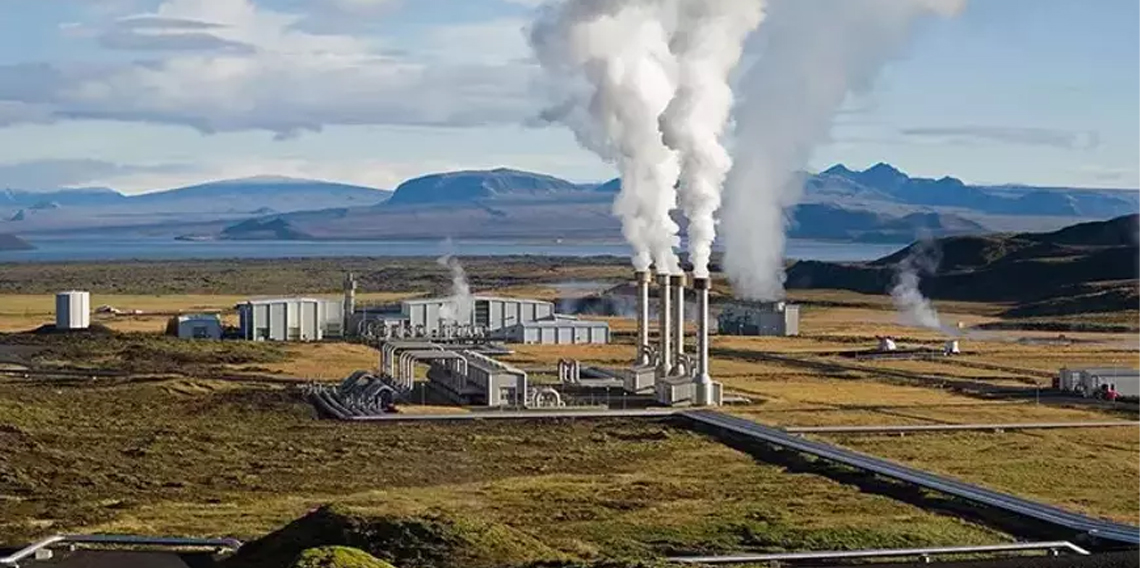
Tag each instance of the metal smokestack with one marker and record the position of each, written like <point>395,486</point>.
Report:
<point>678,282</point>
<point>666,355</point>
<point>703,379</point>
<point>643,317</point>
<point>349,298</point>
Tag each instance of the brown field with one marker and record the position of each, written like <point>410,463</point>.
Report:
<point>292,463</point>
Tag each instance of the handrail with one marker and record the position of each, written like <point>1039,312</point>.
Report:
<point>177,542</point>
<point>881,553</point>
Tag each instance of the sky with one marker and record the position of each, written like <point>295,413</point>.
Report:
<point>142,95</point>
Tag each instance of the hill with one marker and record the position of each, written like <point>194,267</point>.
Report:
<point>12,242</point>
<point>1084,267</point>
<point>473,185</point>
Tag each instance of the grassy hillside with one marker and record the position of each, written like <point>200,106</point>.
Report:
<point>1085,267</point>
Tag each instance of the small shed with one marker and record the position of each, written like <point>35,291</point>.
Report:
<point>558,329</point>
<point>196,326</point>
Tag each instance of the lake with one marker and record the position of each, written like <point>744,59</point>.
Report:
<point>94,248</point>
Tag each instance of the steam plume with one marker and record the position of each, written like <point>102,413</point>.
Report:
<point>914,308</point>
<point>708,45</point>
<point>619,52</point>
<point>462,302</point>
<point>814,53</point>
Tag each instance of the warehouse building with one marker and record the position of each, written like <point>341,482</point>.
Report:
<point>759,318</point>
<point>429,315</point>
<point>557,329</point>
<point>290,319</point>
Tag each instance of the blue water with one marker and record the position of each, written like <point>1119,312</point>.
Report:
<point>88,248</point>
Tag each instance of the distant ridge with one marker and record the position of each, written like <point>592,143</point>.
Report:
<point>10,242</point>
<point>1083,267</point>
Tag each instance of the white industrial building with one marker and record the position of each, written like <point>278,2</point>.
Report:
<point>1088,382</point>
<point>428,316</point>
<point>475,379</point>
<point>197,326</point>
<point>73,310</point>
<point>290,319</point>
<point>759,318</point>
<point>557,329</point>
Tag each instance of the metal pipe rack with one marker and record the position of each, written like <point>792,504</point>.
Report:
<point>1049,514</point>
<point>1052,547</point>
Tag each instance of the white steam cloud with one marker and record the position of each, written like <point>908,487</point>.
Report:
<point>814,53</point>
<point>461,302</point>
<point>708,43</point>
<point>915,309</point>
<point>618,51</point>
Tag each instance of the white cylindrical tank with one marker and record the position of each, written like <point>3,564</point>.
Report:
<point>887,344</point>
<point>73,310</point>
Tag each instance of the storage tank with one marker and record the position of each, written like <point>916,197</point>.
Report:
<point>73,310</point>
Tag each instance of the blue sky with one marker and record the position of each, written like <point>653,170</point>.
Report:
<point>147,94</point>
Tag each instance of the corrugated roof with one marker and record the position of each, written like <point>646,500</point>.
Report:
<point>447,299</point>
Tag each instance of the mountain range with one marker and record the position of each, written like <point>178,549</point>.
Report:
<point>879,204</point>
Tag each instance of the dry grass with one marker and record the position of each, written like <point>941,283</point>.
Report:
<point>325,361</point>
<point>1061,467</point>
<point>223,458</point>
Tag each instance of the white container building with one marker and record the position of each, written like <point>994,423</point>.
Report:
<point>558,329</point>
<point>73,310</point>
<point>488,313</point>
<point>290,319</point>
<point>1087,382</point>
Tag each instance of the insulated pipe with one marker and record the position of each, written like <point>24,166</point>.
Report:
<point>666,363</point>
<point>678,282</point>
<point>643,317</point>
<point>703,379</point>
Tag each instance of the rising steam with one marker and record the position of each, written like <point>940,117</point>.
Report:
<point>461,302</point>
<point>707,44</point>
<point>814,53</point>
<point>914,308</point>
<point>618,51</point>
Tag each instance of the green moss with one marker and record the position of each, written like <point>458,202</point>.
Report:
<point>425,541</point>
<point>338,557</point>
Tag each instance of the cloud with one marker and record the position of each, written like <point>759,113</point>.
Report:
<point>231,65</point>
<point>1009,135</point>
<point>53,174</point>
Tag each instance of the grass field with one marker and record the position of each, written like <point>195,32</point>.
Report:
<point>222,458</point>
<point>197,441</point>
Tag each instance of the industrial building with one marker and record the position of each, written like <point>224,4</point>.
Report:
<point>196,326</point>
<point>73,310</point>
<point>557,329</point>
<point>478,380</point>
<point>759,318</point>
<point>1089,382</point>
<point>290,319</point>
<point>490,314</point>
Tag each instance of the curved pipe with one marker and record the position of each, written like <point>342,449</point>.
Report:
<point>12,559</point>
